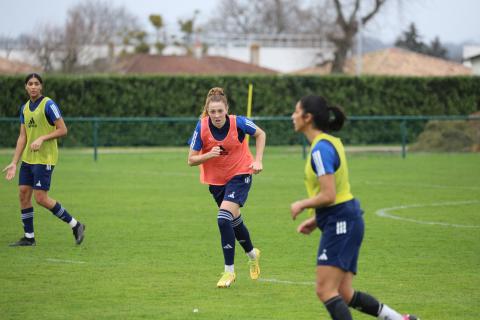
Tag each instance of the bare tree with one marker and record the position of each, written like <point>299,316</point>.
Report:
<point>91,24</point>
<point>44,45</point>
<point>347,26</point>
<point>261,16</point>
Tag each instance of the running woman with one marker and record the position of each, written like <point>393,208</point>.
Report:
<point>337,213</point>
<point>41,124</point>
<point>219,146</point>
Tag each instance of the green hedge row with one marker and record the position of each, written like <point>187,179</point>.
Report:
<point>166,96</point>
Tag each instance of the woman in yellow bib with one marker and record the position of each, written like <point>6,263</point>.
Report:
<point>337,213</point>
<point>41,124</point>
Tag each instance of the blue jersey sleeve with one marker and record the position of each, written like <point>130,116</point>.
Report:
<point>22,118</point>
<point>246,125</point>
<point>196,139</point>
<point>52,111</point>
<point>325,159</point>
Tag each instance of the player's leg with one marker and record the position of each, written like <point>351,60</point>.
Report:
<point>42,180</point>
<point>26,209</point>
<point>237,191</point>
<point>328,282</point>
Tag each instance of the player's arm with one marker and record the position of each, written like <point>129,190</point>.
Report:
<point>324,198</point>
<point>11,169</point>
<point>60,131</point>
<point>195,158</point>
<point>260,140</point>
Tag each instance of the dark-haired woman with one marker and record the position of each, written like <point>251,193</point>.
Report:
<point>41,124</point>
<point>219,146</point>
<point>337,213</point>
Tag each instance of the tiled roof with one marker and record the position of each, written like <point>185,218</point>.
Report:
<point>397,62</point>
<point>157,64</point>
<point>15,67</point>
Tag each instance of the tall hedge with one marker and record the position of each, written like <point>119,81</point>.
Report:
<point>168,96</point>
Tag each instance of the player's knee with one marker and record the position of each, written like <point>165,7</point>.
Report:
<point>41,199</point>
<point>324,290</point>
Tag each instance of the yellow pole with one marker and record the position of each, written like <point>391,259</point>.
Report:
<point>249,106</point>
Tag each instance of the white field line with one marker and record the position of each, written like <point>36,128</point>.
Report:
<point>64,261</point>
<point>384,212</point>
<point>301,283</point>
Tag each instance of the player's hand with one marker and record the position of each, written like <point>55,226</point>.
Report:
<point>10,171</point>
<point>215,152</point>
<point>307,226</point>
<point>256,166</point>
<point>35,146</point>
<point>295,209</point>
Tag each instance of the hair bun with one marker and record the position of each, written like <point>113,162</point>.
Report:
<point>217,91</point>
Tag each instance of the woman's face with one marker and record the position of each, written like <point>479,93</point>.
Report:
<point>34,88</point>
<point>217,112</point>
<point>298,118</point>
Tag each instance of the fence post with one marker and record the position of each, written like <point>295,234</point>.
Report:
<point>403,127</point>
<point>95,139</point>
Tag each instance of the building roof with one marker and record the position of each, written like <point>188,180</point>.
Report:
<point>16,67</point>
<point>176,65</point>
<point>396,62</point>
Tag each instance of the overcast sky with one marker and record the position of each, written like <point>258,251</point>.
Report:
<point>452,21</point>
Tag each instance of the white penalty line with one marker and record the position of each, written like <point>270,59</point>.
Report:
<point>301,283</point>
<point>64,261</point>
<point>384,212</point>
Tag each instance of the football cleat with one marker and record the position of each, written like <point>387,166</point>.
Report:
<point>254,265</point>
<point>78,232</point>
<point>226,280</point>
<point>410,317</point>
<point>23,242</point>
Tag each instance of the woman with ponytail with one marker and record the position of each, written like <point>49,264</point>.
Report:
<point>337,213</point>
<point>219,147</point>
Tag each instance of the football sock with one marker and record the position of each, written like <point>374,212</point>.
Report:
<point>386,313</point>
<point>62,213</point>
<point>27,219</point>
<point>230,268</point>
<point>242,234</point>
<point>227,235</point>
<point>338,309</point>
<point>365,303</point>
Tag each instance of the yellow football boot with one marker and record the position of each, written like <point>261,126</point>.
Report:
<point>254,265</point>
<point>227,279</point>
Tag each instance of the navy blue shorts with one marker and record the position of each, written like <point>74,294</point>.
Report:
<point>236,190</point>
<point>37,176</point>
<point>342,235</point>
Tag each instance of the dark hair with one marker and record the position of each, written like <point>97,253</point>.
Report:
<point>33,75</point>
<point>325,117</point>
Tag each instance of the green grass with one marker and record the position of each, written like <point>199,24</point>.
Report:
<point>152,244</point>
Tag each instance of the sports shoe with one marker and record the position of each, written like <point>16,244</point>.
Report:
<point>226,280</point>
<point>23,242</point>
<point>254,265</point>
<point>410,317</point>
<point>78,231</point>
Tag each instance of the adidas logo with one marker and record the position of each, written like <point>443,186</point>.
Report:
<point>38,184</point>
<point>228,246</point>
<point>323,256</point>
<point>32,124</point>
<point>232,195</point>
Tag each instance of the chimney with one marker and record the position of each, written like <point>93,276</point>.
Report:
<point>255,54</point>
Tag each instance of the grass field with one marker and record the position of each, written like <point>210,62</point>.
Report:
<point>152,245</point>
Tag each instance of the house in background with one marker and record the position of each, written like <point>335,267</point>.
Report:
<point>471,58</point>
<point>395,62</point>
<point>178,65</point>
<point>16,67</point>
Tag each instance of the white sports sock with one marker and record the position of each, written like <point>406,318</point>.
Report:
<point>73,222</point>
<point>230,268</point>
<point>29,235</point>
<point>389,314</point>
<point>251,254</point>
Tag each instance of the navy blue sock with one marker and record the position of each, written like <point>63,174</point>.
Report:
<point>242,234</point>
<point>338,309</point>
<point>27,219</point>
<point>227,235</point>
<point>61,212</point>
<point>365,303</point>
